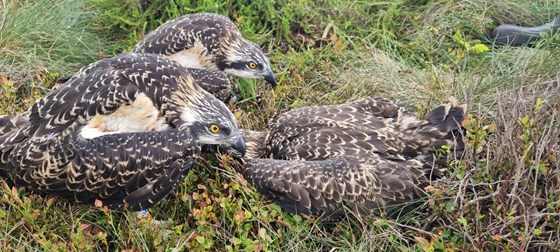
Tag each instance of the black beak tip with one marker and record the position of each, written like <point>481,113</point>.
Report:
<point>240,147</point>
<point>271,79</point>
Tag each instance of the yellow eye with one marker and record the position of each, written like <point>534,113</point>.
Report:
<point>214,128</point>
<point>252,65</point>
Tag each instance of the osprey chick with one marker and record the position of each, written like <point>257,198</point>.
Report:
<point>365,155</point>
<point>52,151</point>
<point>208,41</point>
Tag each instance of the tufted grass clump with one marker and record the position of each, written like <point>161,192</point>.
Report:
<point>41,40</point>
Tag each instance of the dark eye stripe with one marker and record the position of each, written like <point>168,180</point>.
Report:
<point>225,131</point>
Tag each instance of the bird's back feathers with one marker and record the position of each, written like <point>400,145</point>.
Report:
<point>214,82</point>
<point>183,33</point>
<point>368,129</point>
<point>365,155</point>
<point>123,170</point>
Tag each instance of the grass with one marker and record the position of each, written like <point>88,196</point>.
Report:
<point>39,41</point>
<point>503,195</point>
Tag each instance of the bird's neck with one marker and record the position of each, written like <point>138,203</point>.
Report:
<point>255,143</point>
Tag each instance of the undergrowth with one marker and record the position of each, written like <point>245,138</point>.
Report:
<point>503,195</point>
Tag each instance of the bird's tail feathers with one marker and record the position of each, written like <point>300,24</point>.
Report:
<point>438,134</point>
<point>448,116</point>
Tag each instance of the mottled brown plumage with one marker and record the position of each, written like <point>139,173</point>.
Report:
<point>208,41</point>
<point>133,170</point>
<point>364,154</point>
<point>9,123</point>
<point>213,82</point>
<point>142,115</point>
<point>325,187</point>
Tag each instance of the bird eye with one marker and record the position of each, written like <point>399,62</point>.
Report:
<point>214,128</point>
<point>252,65</point>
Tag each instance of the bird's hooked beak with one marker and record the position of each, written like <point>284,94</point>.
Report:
<point>237,149</point>
<point>269,77</point>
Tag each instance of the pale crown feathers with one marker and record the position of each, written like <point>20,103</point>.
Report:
<point>210,120</point>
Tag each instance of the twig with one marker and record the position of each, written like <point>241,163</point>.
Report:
<point>413,228</point>
<point>473,201</point>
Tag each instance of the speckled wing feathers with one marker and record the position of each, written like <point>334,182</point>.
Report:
<point>10,123</point>
<point>357,129</point>
<point>213,82</point>
<point>182,33</point>
<point>362,155</point>
<point>10,135</point>
<point>324,187</point>
<point>131,170</point>
<point>103,89</point>
<point>367,129</point>
<point>122,170</point>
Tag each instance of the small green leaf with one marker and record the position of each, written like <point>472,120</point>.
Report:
<point>537,231</point>
<point>524,120</point>
<point>463,221</point>
<point>459,37</point>
<point>250,247</point>
<point>380,223</point>
<point>541,168</point>
<point>200,239</point>
<point>262,233</point>
<point>54,75</point>
<point>538,104</point>
<point>480,48</point>
<point>236,241</point>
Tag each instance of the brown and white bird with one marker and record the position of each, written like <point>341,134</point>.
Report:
<point>208,41</point>
<point>141,115</point>
<point>365,155</point>
<point>54,150</point>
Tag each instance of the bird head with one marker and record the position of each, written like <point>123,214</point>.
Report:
<point>207,118</point>
<point>182,102</point>
<point>254,141</point>
<point>243,58</point>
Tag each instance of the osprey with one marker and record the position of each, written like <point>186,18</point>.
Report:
<point>208,41</point>
<point>365,155</point>
<point>54,150</point>
<point>141,114</point>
